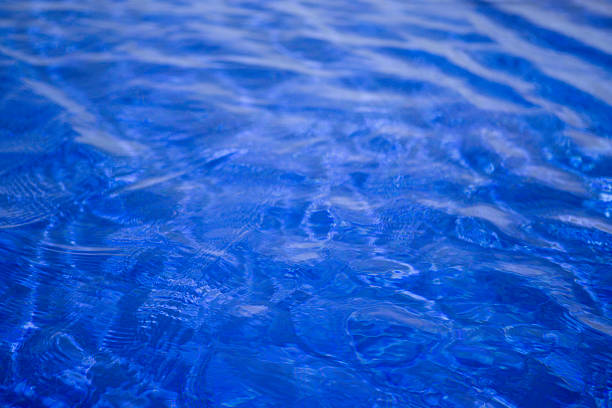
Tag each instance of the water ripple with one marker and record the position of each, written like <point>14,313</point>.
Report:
<point>364,204</point>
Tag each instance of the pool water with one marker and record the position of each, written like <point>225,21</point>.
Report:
<point>305,203</point>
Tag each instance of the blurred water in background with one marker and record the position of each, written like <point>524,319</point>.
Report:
<point>305,203</point>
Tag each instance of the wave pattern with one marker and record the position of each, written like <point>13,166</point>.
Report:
<point>310,204</point>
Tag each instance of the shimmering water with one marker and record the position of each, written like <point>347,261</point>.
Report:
<point>305,203</point>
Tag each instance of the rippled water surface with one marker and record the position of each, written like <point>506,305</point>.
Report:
<point>305,203</point>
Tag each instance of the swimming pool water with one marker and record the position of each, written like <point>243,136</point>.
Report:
<point>305,203</point>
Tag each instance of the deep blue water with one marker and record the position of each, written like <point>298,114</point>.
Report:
<point>304,203</point>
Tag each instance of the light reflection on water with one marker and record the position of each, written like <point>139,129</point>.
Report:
<point>314,204</point>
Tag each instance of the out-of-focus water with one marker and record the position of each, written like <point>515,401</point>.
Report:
<point>305,203</point>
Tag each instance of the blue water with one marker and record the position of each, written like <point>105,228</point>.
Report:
<point>373,203</point>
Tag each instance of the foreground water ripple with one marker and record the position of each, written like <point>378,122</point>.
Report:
<point>305,204</point>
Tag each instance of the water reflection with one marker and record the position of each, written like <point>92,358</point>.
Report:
<point>305,204</point>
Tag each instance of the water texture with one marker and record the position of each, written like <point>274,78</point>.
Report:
<point>371,203</point>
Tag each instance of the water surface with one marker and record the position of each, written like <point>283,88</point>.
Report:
<point>305,203</point>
